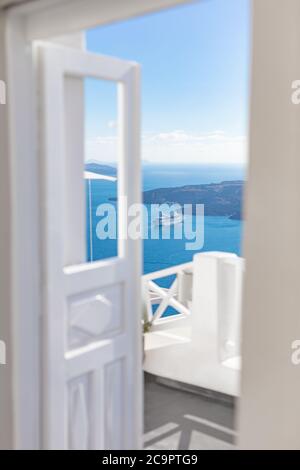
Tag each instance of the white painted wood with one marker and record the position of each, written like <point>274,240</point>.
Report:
<point>101,357</point>
<point>6,372</point>
<point>75,213</point>
<point>154,294</point>
<point>20,263</point>
<point>270,406</point>
<point>74,184</point>
<point>168,271</point>
<point>131,250</point>
<point>167,299</point>
<point>55,18</point>
<point>76,40</point>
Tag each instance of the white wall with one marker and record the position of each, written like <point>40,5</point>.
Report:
<point>6,423</point>
<point>270,403</point>
<point>20,244</point>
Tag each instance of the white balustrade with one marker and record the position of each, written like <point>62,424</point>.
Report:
<point>177,296</point>
<point>201,344</point>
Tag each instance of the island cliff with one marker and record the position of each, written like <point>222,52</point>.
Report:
<point>219,199</point>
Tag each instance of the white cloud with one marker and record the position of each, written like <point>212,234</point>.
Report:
<point>178,146</point>
<point>102,148</point>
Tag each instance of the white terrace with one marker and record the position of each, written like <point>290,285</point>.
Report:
<point>199,346</point>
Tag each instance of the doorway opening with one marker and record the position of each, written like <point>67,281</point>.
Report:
<point>195,80</point>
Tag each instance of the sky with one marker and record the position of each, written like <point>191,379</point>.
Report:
<point>195,83</point>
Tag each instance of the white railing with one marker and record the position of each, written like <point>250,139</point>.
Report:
<point>211,289</point>
<point>177,296</point>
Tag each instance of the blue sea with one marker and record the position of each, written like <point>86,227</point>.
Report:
<point>220,233</point>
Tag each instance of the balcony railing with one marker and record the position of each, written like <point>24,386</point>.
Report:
<point>178,295</point>
<point>197,341</point>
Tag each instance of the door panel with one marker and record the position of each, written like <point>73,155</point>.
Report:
<point>92,374</point>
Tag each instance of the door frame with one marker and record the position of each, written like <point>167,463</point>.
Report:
<point>21,302</point>
<point>20,267</point>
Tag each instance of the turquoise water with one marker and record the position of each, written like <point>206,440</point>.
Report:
<point>220,233</point>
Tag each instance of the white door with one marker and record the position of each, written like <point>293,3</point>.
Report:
<point>91,335</point>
